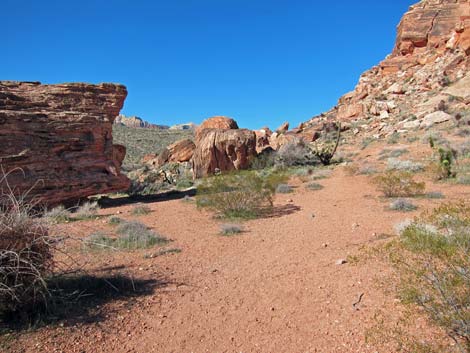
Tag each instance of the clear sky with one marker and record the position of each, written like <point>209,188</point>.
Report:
<point>261,62</point>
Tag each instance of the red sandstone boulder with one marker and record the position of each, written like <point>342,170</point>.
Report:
<point>178,152</point>
<point>57,139</point>
<point>216,122</point>
<point>223,150</point>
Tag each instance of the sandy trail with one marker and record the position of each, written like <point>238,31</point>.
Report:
<point>274,288</point>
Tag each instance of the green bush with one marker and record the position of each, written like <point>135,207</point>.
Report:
<point>399,184</point>
<point>245,194</point>
<point>434,266</point>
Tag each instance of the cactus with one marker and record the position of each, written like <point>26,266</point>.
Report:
<point>327,151</point>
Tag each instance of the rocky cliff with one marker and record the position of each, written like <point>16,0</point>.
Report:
<point>427,72</point>
<point>56,140</point>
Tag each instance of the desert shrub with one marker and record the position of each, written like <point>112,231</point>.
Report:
<point>367,170</point>
<point>433,263</point>
<point>321,174</point>
<point>389,153</point>
<point>140,210</point>
<point>58,214</point>
<point>398,184</point>
<point>434,195</point>
<point>463,180</point>
<point>184,184</point>
<point>230,229</point>
<point>366,141</point>
<point>294,153</point>
<point>402,205</point>
<point>25,257</point>
<point>463,149</point>
<point>314,186</point>
<point>393,138</point>
<point>87,210</point>
<point>239,195</point>
<point>409,166</point>
<point>265,159</point>
<point>114,220</point>
<point>283,189</point>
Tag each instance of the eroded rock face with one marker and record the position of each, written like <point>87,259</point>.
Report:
<point>57,139</point>
<point>223,150</point>
<point>216,122</point>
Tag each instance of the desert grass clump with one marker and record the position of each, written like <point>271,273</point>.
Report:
<point>114,220</point>
<point>26,257</point>
<point>230,229</point>
<point>140,210</point>
<point>132,235</point>
<point>463,180</point>
<point>314,186</point>
<point>399,184</point>
<point>87,210</point>
<point>284,189</point>
<point>245,194</point>
<point>58,214</point>
<point>432,260</point>
<point>402,205</point>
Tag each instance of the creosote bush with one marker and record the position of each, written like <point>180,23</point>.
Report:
<point>432,259</point>
<point>399,184</point>
<point>246,194</point>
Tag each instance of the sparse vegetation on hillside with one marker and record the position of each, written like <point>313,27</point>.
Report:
<point>140,142</point>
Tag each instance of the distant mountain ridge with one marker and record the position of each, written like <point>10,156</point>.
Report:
<point>137,122</point>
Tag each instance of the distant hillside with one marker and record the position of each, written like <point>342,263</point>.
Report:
<point>142,141</point>
<point>136,122</point>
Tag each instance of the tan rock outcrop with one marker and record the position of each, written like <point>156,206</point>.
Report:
<point>57,139</point>
<point>216,122</point>
<point>223,150</point>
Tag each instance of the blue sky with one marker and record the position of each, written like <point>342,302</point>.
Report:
<point>261,62</point>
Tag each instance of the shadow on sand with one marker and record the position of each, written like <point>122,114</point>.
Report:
<point>79,298</point>
<point>107,202</point>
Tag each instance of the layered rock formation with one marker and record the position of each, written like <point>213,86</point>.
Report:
<point>426,72</point>
<point>223,150</point>
<point>56,140</point>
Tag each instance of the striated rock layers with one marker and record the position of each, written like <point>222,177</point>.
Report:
<point>56,140</point>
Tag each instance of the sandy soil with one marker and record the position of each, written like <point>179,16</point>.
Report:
<point>274,288</point>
